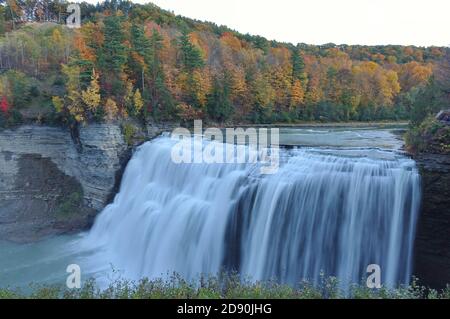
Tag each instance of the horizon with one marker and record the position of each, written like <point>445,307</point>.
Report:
<point>365,23</point>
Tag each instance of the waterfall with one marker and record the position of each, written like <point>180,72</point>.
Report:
<point>324,212</point>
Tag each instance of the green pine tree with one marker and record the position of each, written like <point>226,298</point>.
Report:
<point>219,105</point>
<point>191,57</point>
<point>114,50</point>
<point>298,68</point>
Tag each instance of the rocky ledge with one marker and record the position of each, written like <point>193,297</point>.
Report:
<point>50,184</point>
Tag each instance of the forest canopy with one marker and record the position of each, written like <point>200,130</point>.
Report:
<point>132,60</point>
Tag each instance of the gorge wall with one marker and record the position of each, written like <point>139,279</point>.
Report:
<point>432,246</point>
<point>45,178</point>
<point>51,185</point>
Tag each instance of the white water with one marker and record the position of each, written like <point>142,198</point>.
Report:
<point>331,211</point>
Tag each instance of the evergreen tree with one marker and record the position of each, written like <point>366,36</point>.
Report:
<point>140,56</point>
<point>162,104</point>
<point>191,57</point>
<point>141,44</point>
<point>298,68</point>
<point>191,62</point>
<point>114,50</point>
<point>219,105</point>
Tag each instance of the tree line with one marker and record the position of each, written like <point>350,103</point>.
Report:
<point>131,60</point>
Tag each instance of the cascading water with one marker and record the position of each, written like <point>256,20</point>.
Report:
<point>323,212</point>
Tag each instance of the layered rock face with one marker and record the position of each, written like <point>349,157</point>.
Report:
<point>49,184</point>
<point>432,246</point>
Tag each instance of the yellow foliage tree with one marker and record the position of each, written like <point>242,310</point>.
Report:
<point>111,110</point>
<point>91,96</point>
<point>200,86</point>
<point>58,103</point>
<point>263,93</point>
<point>231,41</point>
<point>137,101</point>
<point>414,74</point>
<point>74,103</point>
<point>297,94</point>
<point>128,96</point>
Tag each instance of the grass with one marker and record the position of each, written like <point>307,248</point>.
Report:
<point>225,287</point>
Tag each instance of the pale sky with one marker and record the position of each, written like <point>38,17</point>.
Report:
<point>406,22</point>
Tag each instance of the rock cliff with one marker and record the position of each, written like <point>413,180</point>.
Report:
<point>432,246</point>
<point>51,185</point>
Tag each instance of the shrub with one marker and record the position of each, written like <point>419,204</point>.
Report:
<point>224,286</point>
<point>69,205</point>
<point>129,133</point>
<point>430,136</point>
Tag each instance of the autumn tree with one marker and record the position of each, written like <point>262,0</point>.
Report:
<point>111,110</point>
<point>138,103</point>
<point>91,96</point>
<point>4,105</point>
<point>297,97</point>
<point>413,74</point>
<point>72,104</point>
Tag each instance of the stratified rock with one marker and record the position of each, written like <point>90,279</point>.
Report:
<point>432,246</point>
<point>51,185</point>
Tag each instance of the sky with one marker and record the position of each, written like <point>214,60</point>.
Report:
<point>370,22</point>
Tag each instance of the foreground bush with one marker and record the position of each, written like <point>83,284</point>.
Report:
<point>228,287</point>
